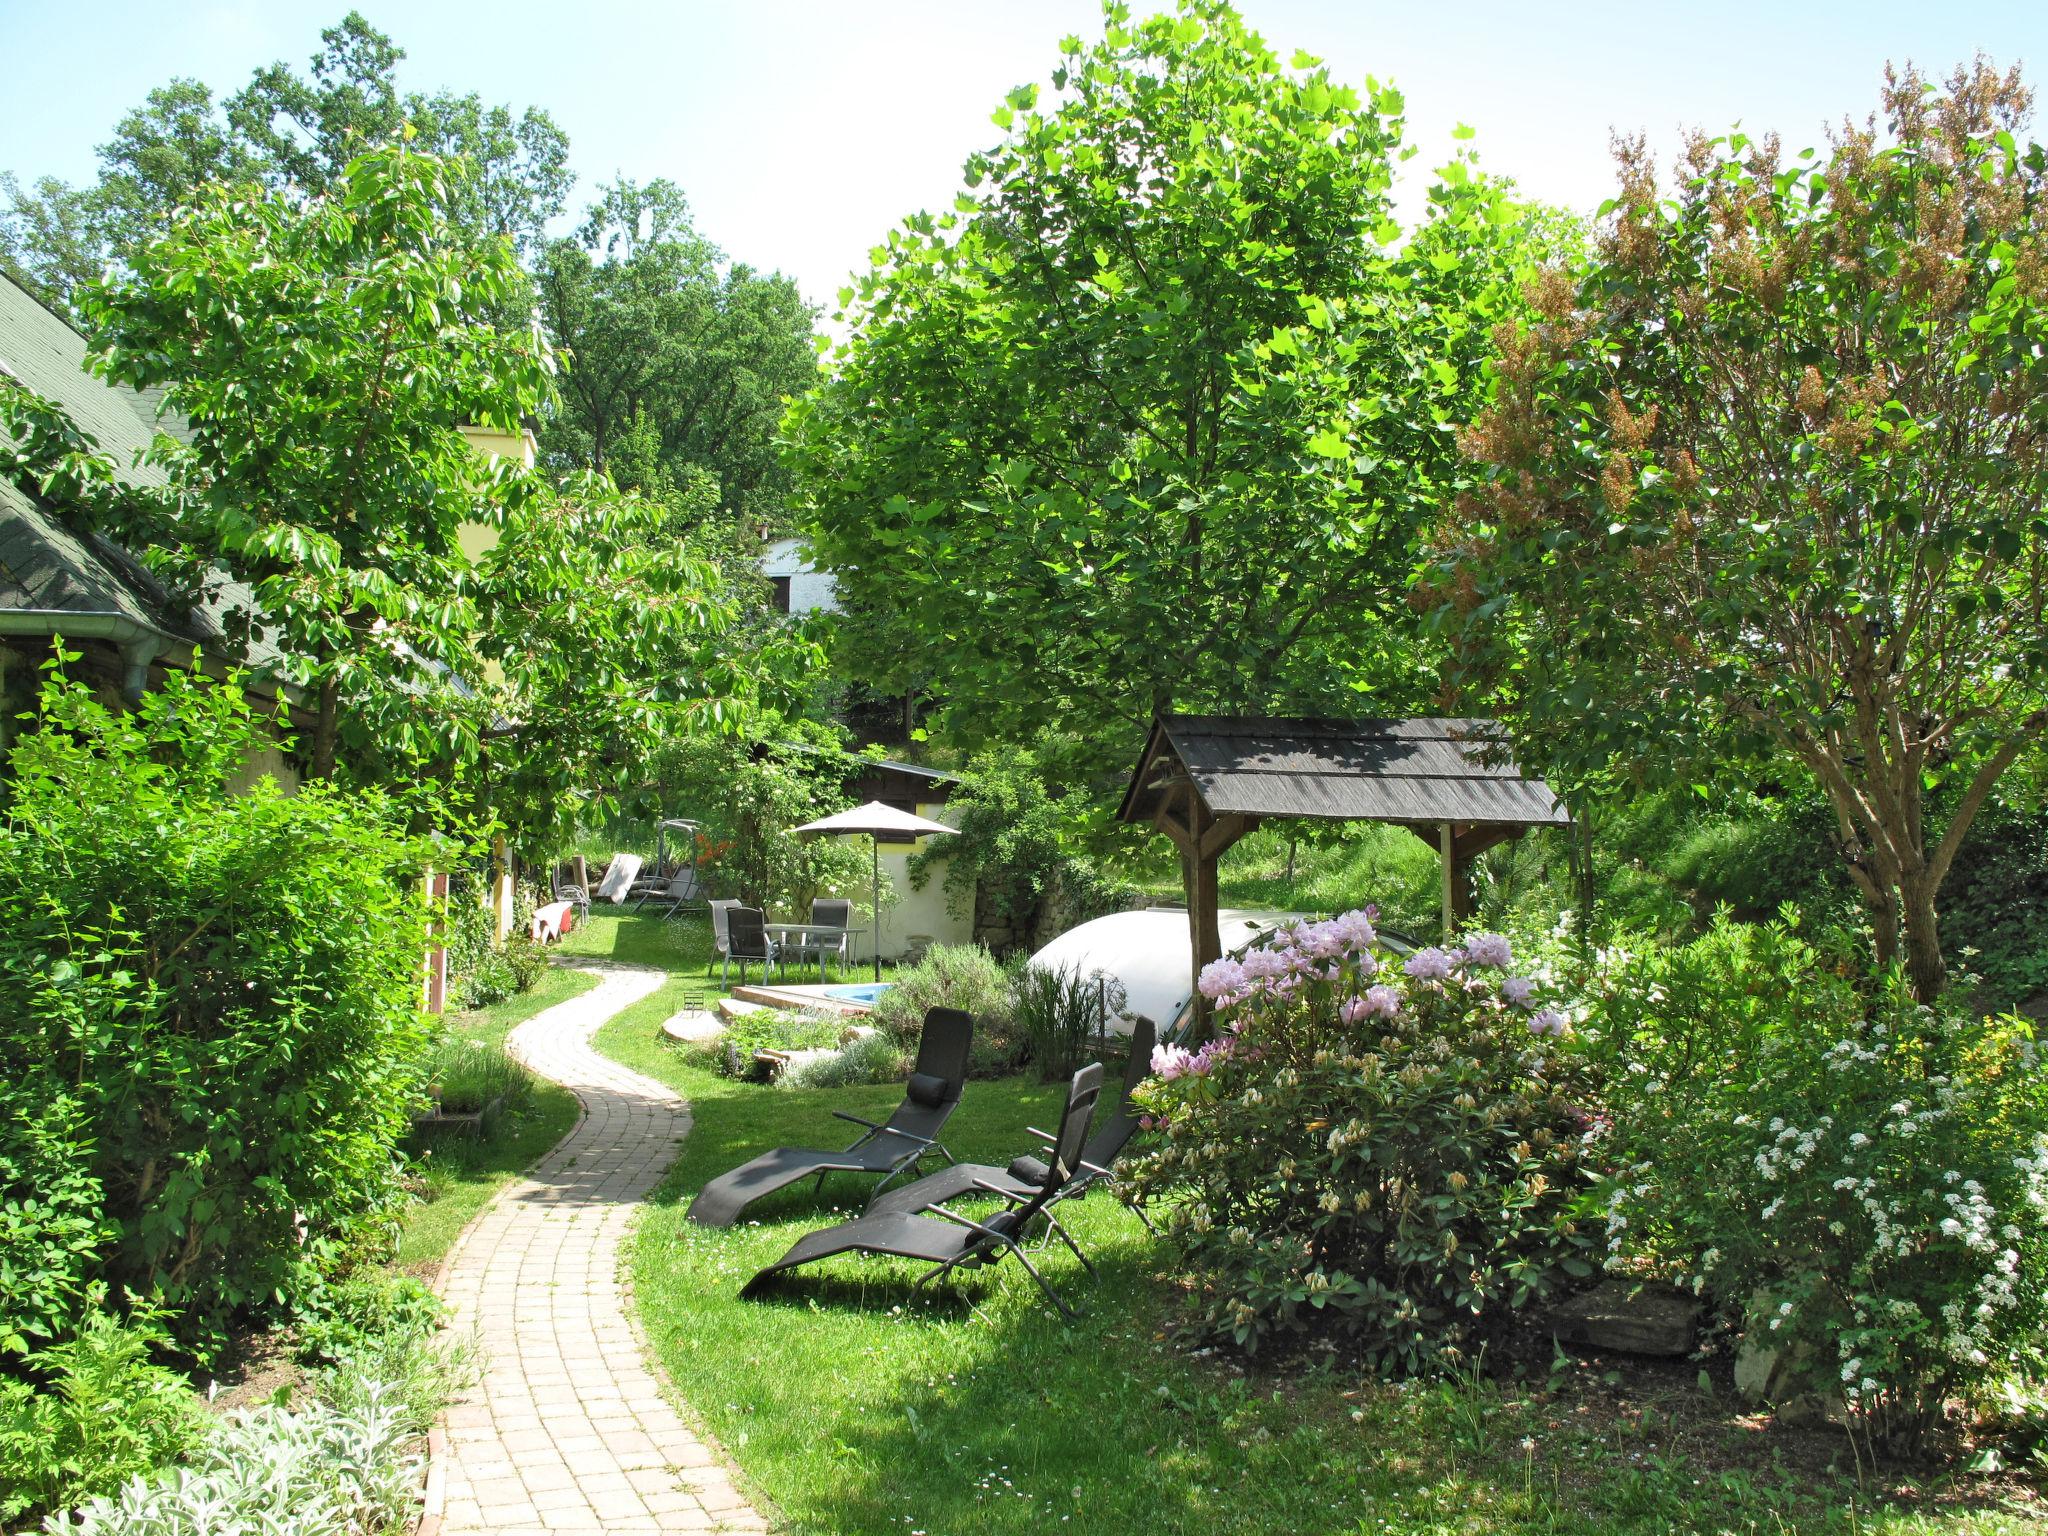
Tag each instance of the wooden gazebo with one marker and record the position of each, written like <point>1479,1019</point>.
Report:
<point>1207,780</point>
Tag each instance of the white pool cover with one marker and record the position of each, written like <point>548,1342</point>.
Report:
<point>1151,954</point>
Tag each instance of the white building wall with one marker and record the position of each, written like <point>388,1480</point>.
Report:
<point>913,914</point>
<point>809,587</point>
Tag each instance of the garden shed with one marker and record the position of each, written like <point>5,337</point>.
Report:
<point>1207,780</point>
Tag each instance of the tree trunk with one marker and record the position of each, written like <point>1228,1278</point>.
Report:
<point>1924,969</point>
<point>326,728</point>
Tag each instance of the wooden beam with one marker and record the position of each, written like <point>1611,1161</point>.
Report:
<point>1474,841</point>
<point>1225,831</point>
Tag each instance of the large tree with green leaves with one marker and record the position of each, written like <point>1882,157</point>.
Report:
<point>668,343</point>
<point>1765,481</point>
<point>1152,417</point>
<point>324,356</point>
<point>281,130</point>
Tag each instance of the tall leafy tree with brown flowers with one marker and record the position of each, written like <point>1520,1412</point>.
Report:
<point>1766,479</point>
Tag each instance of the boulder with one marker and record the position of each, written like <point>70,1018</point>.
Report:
<point>1641,1317</point>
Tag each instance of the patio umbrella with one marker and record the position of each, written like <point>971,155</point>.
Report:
<point>875,821</point>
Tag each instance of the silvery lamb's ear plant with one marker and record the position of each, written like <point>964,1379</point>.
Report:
<point>345,1463</point>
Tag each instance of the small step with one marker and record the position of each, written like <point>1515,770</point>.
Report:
<point>731,1009</point>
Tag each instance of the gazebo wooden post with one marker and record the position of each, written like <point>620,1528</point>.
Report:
<point>1458,850</point>
<point>1447,847</point>
<point>1201,838</point>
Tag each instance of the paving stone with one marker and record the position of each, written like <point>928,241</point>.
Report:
<point>568,1430</point>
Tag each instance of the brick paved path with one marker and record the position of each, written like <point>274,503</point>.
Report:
<point>568,1430</point>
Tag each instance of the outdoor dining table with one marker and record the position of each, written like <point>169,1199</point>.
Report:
<point>796,934</point>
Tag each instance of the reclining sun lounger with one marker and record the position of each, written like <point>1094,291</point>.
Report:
<point>951,1241</point>
<point>896,1146</point>
<point>1026,1175</point>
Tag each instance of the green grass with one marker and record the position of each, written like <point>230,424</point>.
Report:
<point>680,946</point>
<point>458,1171</point>
<point>857,1405</point>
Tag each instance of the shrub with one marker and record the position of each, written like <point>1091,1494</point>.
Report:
<point>1393,1155</point>
<point>101,1412</point>
<point>1861,1180</point>
<point>961,976</point>
<point>470,1074</point>
<point>753,1033</point>
<point>227,985</point>
<point>1062,1013</point>
<point>53,1233</point>
<point>871,1058</point>
<point>482,971</point>
<point>364,1311</point>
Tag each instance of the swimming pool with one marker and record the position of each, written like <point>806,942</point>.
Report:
<point>866,992</point>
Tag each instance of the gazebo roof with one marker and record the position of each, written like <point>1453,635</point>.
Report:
<point>1414,771</point>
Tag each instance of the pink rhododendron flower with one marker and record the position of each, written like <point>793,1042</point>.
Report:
<point>1546,1021</point>
<point>1488,949</point>
<point>1518,990</point>
<point>1355,929</point>
<point>1382,1001</point>
<point>1220,978</point>
<point>1170,1061</point>
<point>1430,964</point>
<point>1324,941</point>
<point>1262,965</point>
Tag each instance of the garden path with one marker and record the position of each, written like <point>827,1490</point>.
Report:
<point>568,1430</point>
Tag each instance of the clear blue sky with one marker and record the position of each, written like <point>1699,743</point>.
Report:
<point>801,129</point>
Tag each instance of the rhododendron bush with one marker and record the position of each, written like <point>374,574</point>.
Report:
<point>1860,1181</point>
<point>1387,1150</point>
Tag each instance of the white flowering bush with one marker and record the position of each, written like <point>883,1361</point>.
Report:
<point>1863,1181</point>
<point>1387,1151</point>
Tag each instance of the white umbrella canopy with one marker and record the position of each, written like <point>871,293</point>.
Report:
<point>877,821</point>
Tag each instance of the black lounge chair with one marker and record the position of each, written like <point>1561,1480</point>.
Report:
<point>950,1241</point>
<point>1026,1175</point>
<point>896,1146</point>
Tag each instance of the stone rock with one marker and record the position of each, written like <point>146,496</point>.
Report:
<point>691,1025</point>
<point>1637,1316</point>
<point>1765,1375</point>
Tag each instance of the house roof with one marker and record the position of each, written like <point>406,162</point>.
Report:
<point>1409,771</point>
<point>39,348</point>
<point>51,576</point>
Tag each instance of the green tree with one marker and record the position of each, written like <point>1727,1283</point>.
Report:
<point>1766,477</point>
<point>1152,417</point>
<point>281,130</point>
<point>324,355</point>
<point>663,337</point>
<point>607,638</point>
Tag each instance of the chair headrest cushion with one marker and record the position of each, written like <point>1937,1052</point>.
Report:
<point>926,1090</point>
<point>1028,1170</point>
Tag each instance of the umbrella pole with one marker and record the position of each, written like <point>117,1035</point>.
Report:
<point>875,847</point>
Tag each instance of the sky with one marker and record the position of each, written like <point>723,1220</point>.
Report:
<point>803,130</point>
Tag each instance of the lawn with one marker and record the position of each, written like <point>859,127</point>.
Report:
<point>856,1405</point>
<point>460,1171</point>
